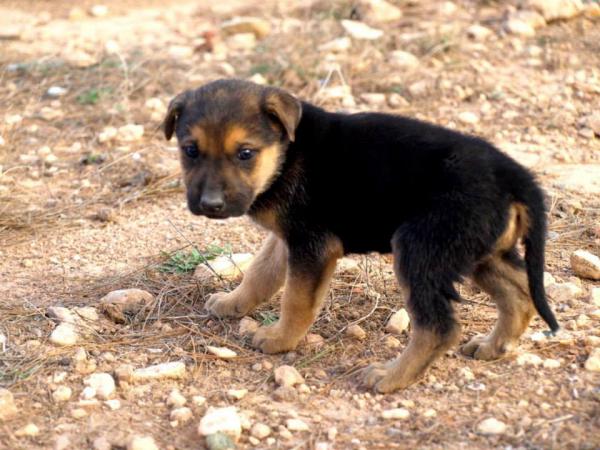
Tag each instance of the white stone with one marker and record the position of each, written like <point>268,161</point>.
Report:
<point>56,91</point>
<point>478,32</point>
<point>398,322</point>
<point>374,99</point>
<point>467,374</point>
<point>8,408</point>
<point>468,117</point>
<point>107,134</point>
<point>359,30</point>
<point>237,394</point>
<point>563,292</point>
<point>548,279</point>
<point>551,363</point>
<point>593,362</point>
<point>336,45</point>
<point>180,51</point>
<point>112,47</point>
<point>248,326</point>
<point>172,370</point>
<point>62,394</point>
<point>155,104</point>
<point>260,430</point>
<point>556,9</point>
<point>395,414</point>
<point>288,376</point>
<point>2,144</point>
<point>88,393</point>
<point>429,413</point>
<point>519,27</point>
<point>529,359</point>
<point>379,11</point>
<point>226,267</point>
<point>221,420</point>
<point>142,443</point>
<point>242,41</point>
<point>221,352</point>
<point>176,399</point>
<point>13,119</point>
<point>491,426</point>
<point>103,383</point>
<point>113,404</point>
<point>585,264</point>
<point>356,331</point>
<point>198,400</point>
<point>418,88</point>
<point>99,10</point>
<point>595,296</point>
<point>64,334</point>
<point>130,132</point>
<point>403,60</point>
<point>181,415</point>
<point>391,342</point>
<point>30,430</point>
<point>296,425</point>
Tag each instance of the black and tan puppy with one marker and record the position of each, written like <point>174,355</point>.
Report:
<point>445,204</point>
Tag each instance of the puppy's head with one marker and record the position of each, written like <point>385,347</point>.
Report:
<point>233,136</point>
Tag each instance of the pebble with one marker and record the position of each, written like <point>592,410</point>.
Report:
<point>171,370</point>
<point>61,314</point>
<point>107,134</point>
<point>585,264</point>
<point>248,326</point>
<point>99,10</point>
<point>336,45</point>
<point>529,359</point>
<point>551,363</point>
<point>398,322</point>
<point>64,334</point>
<point>429,413</point>
<point>564,292</point>
<point>402,59</point>
<point>593,362</point>
<point>62,394</point>
<point>13,119</point>
<point>260,430</point>
<point>2,143</point>
<point>478,32</point>
<point>259,27</point>
<point>102,383</point>
<point>373,99</point>
<point>78,413</point>
<point>287,376</point>
<point>130,132</point>
<point>230,267</point>
<point>314,340</point>
<point>418,88</point>
<point>113,404</point>
<point>242,41</point>
<point>219,441</point>
<point>391,342</point>
<point>56,91</point>
<point>519,27</point>
<point>198,400</point>
<point>396,413</point>
<point>468,117</point>
<point>285,394</point>
<point>237,394</point>
<point>88,393</point>
<point>491,426</point>
<point>101,443</point>
<point>359,30</point>
<point>30,429</point>
<point>221,352</point>
<point>181,415</point>
<point>296,425</point>
<point>142,443</point>
<point>555,9</point>
<point>62,442</point>
<point>117,304</point>
<point>221,420</point>
<point>467,374</point>
<point>378,11</point>
<point>176,399</point>
<point>180,51</point>
<point>595,296</point>
<point>356,331</point>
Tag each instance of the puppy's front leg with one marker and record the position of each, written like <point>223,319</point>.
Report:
<point>262,280</point>
<point>307,283</point>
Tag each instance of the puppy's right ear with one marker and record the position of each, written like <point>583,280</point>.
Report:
<point>173,113</point>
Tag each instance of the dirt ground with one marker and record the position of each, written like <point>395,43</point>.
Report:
<point>83,213</point>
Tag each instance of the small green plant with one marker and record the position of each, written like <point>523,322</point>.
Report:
<point>267,317</point>
<point>92,96</point>
<point>184,262</point>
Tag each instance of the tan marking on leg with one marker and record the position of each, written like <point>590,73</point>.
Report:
<point>509,289</point>
<point>268,219</point>
<point>262,280</point>
<point>516,227</point>
<point>424,347</point>
<point>301,302</point>
<point>266,168</point>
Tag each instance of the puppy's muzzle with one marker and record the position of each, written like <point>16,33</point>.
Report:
<point>212,202</point>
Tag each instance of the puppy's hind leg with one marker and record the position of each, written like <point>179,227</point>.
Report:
<point>262,280</point>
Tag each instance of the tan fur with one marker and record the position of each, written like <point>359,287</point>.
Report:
<point>233,138</point>
<point>516,227</point>
<point>262,280</point>
<point>266,168</point>
<point>268,219</point>
<point>509,289</point>
<point>302,300</point>
<point>199,135</point>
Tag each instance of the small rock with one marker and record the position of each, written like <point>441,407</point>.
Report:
<point>28,430</point>
<point>176,399</point>
<point>62,394</point>
<point>418,88</point>
<point>237,394</point>
<point>101,443</point>
<point>221,420</point>
<point>396,413</point>
<point>181,415</point>
<point>2,144</point>
<point>548,279</point>
<point>242,41</point>
<point>555,9</point>
<point>467,374</point>
<point>429,413</point>
<point>124,302</point>
<point>359,30</point>
<point>80,58</point>
<point>107,134</point>
<point>593,121</point>
<point>260,430</point>
<point>336,45</point>
<point>478,32</point>
<point>180,51</point>
<point>356,332</point>
<point>592,363</point>
<point>528,359</point>
<point>314,340</point>
<point>391,342</point>
<point>285,394</point>
<point>398,322</point>
<point>198,400</point>
<point>491,426</point>
<point>519,27</point>
<point>374,99</point>
<point>585,264</point>
<point>113,404</point>
<point>259,27</point>
<point>551,364</point>
<point>102,383</point>
<point>171,370</point>
<point>130,132</point>
<point>61,314</point>
<point>56,91</point>
<point>595,296</point>
<point>13,119</point>
<point>221,352</point>
<point>78,413</point>
<point>99,10</point>
<point>64,334</point>
<point>531,18</point>
<point>564,292</point>
<point>403,60</point>
<point>226,267</point>
<point>248,326</point>
<point>378,11</point>
<point>468,117</point>
<point>142,443</point>
<point>219,441</point>
<point>296,425</point>
<point>287,376</point>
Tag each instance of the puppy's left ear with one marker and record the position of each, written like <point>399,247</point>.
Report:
<point>173,113</point>
<point>286,109</point>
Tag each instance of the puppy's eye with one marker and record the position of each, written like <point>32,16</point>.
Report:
<point>245,153</point>
<point>191,150</point>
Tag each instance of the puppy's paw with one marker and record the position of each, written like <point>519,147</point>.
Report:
<point>273,339</point>
<point>226,304</point>
<point>380,378</point>
<point>482,347</point>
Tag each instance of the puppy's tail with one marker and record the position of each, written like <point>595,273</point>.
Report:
<point>534,254</point>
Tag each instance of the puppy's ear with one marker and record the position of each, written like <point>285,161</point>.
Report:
<point>173,113</point>
<point>285,109</point>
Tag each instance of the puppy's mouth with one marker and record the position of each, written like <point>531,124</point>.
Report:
<point>223,214</point>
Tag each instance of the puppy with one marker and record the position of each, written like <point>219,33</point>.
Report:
<point>445,204</point>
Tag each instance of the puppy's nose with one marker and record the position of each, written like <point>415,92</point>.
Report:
<point>212,202</point>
